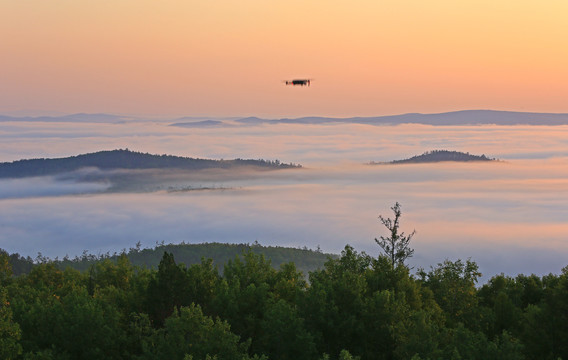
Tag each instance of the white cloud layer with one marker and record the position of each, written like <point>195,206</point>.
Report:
<point>509,216</point>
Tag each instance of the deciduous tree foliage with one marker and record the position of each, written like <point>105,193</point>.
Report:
<point>10,332</point>
<point>355,307</point>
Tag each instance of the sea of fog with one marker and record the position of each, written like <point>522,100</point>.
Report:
<point>509,216</point>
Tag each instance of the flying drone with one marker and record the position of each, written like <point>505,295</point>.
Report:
<point>300,82</point>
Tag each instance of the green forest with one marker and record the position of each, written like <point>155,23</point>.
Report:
<point>305,259</point>
<point>356,306</point>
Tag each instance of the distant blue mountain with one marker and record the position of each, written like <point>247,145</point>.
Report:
<point>464,117</point>
<point>200,124</point>
<point>252,120</point>
<point>81,117</point>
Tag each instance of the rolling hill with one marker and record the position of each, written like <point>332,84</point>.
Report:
<point>439,156</point>
<point>125,159</point>
<point>305,259</point>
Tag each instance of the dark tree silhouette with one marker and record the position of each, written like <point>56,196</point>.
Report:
<point>396,246</point>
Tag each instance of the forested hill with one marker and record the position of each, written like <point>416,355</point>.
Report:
<point>306,260</point>
<point>439,156</point>
<point>124,159</point>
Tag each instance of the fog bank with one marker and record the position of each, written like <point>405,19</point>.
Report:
<point>508,216</point>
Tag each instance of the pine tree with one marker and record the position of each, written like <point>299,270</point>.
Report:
<point>396,246</point>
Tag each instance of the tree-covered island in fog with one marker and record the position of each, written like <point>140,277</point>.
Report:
<point>438,156</point>
<point>126,159</point>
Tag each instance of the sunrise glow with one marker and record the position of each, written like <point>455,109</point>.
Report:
<point>227,58</point>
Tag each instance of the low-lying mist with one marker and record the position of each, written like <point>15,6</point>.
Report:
<point>509,216</point>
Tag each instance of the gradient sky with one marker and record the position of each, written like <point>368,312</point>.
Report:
<point>228,58</point>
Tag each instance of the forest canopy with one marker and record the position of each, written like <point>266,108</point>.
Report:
<point>355,306</point>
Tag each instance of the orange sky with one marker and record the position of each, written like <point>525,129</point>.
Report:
<point>227,58</point>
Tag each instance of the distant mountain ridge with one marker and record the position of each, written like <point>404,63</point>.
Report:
<point>439,156</point>
<point>461,117</point>
<point>80,117</point>
<point>200,124</point>
<point>456,118</point>
<point>124,159</point>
